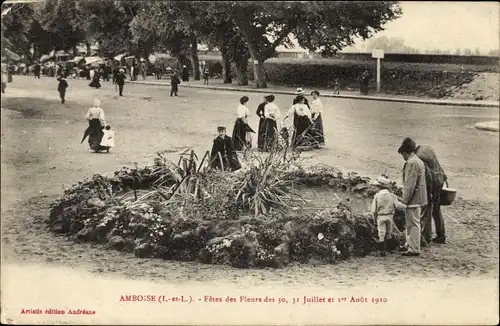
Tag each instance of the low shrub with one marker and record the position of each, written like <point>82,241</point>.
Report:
<point>414,79</point>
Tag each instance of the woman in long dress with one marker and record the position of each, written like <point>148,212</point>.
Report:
<point>261,131</point>
<point>272,114</point>
<point>317,117</point>
<point>95,117</point>
<point>242,133</point>
<point>303,122</point>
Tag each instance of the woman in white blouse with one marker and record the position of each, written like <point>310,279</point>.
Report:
<point>301,135</point>
<point>272,115</point>
<point>317,116</point>
<point>95,117</point>
<point>242,133</point>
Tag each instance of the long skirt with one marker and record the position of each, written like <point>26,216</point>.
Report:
<point>270,127</point>
<point>317,131</point>
<point>261,134</point>
<point>95,135</point>
<point>240,137</point>
<point>302,135</point>
<point>95,83</point>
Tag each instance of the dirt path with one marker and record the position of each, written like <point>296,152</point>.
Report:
<point>41,152</point>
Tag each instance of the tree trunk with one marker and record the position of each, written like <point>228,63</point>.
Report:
<point>258,68</point>
<point>241,71</point>
<point>259,74</point>
<point>226,68</point>
<point>195,62</point>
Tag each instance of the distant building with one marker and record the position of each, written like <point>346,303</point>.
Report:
<point>296,52</point>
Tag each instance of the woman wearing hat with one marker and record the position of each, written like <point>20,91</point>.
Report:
<point>272,114</point>
<point>95,117</point>
<point>261,132</point>
<point>242,133</point>
<point>317,117</point>
<point>303,121</point>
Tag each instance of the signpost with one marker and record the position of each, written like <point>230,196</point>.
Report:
<point>378,54</point>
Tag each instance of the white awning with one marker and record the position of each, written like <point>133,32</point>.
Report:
<point>91,60</point>
<point>77,59</point>
<point>119,57</point>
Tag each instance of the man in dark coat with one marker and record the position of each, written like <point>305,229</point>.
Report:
<point>61,88</point>
<point>120,81</point>
<point>37,70</point>
<point>223,156</point>
<point>174,82</point>
<point>365,79</point>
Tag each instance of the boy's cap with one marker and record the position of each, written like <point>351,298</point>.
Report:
<point>383,182</point>
<point>221,128</point>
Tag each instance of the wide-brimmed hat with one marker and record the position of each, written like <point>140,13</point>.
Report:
<point>121,70</point>
<point>383,182</point>
<point>300,91</point>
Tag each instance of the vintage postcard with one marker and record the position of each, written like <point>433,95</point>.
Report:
<point>249,163</point>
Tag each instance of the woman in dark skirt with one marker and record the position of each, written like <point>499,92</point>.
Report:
<point>317,117</point>
<point>261,131</point>
<point>272,115</point>
<point>242,137</point>
<point>303,121</point>
<point>95,117</point>
<point>95,81</point>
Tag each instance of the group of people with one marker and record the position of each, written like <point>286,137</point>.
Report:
<point>423,181</point>
<point>307,128</point>
<point>101,137</point>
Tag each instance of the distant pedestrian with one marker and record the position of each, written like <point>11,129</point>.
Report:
<point>61,88</point>
<point>174,82</point>
<point>206,75</point>
<point>120,80</point>
<point>364,82</point>
<point>336,86</point>
<point>95,80</point>
<point>185,74</point>
<point>37,70</point>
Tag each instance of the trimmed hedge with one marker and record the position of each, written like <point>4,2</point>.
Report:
<point>414,79</point>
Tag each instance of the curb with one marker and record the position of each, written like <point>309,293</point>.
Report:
<point>357,97</point>
<point>488,126</point>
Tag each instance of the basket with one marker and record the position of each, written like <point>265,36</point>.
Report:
<point>447,195</point>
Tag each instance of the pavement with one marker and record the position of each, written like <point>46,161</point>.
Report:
<point>349,94</point>
<point>488,126</point>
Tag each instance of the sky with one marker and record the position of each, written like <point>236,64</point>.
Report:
<point>445,25</point>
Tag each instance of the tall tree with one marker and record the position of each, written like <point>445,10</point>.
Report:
<point>63,21</point>
<point>328,26</point>
<point>16,26</point>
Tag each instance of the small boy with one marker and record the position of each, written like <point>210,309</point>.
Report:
<point>63,84</point>
<point>223,156</point>
<point>108,139</point>
<point>383,207</point>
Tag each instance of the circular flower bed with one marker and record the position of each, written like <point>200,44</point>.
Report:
<point>189,213</point>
